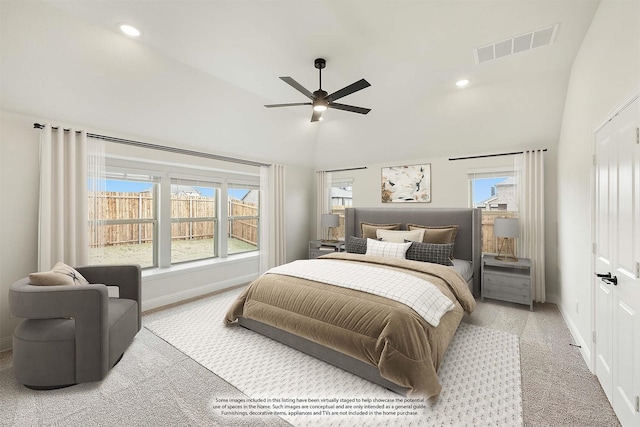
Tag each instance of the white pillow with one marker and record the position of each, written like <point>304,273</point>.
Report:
<point>400,236</point>
<point>61,274</point>
<point>387,249</point>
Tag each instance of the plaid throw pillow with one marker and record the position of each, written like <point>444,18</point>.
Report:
<point>356,245</point>
<point>431,252</point>
<point>387,249</point>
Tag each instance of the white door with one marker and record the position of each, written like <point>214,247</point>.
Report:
<point>617,258</point>
<point>604,257</point>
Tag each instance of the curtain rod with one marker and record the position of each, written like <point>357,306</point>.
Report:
<point>488,155</point>
<point>347,169</point>
<point>164,148</point>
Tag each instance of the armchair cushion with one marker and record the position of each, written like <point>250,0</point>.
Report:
<point>61,274</point>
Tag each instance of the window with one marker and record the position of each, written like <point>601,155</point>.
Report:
<point>123,224</point>
<point>496,193</point>
<point>194,220</point>
<point>341,198</point>
<point>244,215</point>
<point>171,214</point>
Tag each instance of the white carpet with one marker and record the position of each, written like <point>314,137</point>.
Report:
<point>480,376</point>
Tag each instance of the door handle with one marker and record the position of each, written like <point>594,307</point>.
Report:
<point>607,278</point>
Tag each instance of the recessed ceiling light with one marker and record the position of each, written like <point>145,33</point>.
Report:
<point>129,30</point>
<point>462,83</point>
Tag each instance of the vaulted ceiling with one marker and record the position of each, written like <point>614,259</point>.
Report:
<point>201,71</point>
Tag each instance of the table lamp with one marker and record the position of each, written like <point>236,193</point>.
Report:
<point>507,229</point>
<point>329,221</point>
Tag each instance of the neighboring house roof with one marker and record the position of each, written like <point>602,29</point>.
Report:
<point>487,201</point>
<point>184,189</point>
<point>337,192</point>
<point>508,181</point>
<point>179,189</point>
<point>251,197</point>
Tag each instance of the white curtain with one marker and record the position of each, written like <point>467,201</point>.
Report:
<point>96,188</point>
<point>63,213</point>
<point>272,217</point>
<point>323,200</point>
<point>530,175</point>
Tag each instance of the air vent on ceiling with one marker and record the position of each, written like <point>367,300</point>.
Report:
<point>542,37</point>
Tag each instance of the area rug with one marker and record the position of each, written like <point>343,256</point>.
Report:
<point>480,376</point>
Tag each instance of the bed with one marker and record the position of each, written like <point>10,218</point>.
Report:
<point>325,308</point>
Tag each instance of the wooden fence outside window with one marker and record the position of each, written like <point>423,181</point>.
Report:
<point>136,208</point>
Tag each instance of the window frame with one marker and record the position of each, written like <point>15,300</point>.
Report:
<point>340,183</point>
<point>197,182</point>
<point>133,175</point>
<point>235,184</point>
<point>209,177</point>
<point>497,172</point>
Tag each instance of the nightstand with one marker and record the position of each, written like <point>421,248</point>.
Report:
<point>507,281</point>
<point>318,248</point>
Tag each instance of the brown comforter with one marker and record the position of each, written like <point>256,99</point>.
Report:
<point>381,332</point>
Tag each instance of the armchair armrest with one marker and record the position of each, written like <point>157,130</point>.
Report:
<point>128,279</point>
<point>51,302</point>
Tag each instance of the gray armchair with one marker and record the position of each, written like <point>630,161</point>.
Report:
<point>74,334</point>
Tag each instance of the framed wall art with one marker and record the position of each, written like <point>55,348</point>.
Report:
<point>406,184</point>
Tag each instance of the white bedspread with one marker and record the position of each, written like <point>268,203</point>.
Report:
<point>422,296</point>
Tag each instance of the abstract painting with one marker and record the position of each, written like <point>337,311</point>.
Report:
<point>406,184</point>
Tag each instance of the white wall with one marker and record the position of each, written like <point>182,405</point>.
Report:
<point>604,73</point>
<point>18,213</point>
<point>450,188</point>
<point>19,225</point>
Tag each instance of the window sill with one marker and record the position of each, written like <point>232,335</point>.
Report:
<point>190,267</point>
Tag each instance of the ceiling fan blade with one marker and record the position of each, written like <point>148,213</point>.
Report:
<point>298,87</point>
<point>316,116</point>
<point>351,108</point>
<point>353,87</point>
<point>288,105</point>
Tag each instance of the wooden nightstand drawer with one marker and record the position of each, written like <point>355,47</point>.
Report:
<point>507,281</point>
<point>494,281</point>
<point>315,253</point>
<point>521,296</point>
<point>321,247</point>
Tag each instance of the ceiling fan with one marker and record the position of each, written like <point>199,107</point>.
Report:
<point>320,99</point>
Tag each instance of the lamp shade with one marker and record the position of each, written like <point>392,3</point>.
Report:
<point>505,227</point>
<point>329,220</point>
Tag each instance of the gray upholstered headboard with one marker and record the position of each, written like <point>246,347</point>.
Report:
<point>468,240</point>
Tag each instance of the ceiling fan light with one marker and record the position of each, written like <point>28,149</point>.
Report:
<point>130,30</point>
<point>320,105</point>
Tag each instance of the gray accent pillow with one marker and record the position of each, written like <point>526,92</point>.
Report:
<point>356,245</point>
<point>438,253</point>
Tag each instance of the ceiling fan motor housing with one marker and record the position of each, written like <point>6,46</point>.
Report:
<point>320,93</point>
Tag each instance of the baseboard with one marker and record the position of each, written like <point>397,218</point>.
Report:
<point>6,343</point>
<point>584,347</point>
<point>195,292</point>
